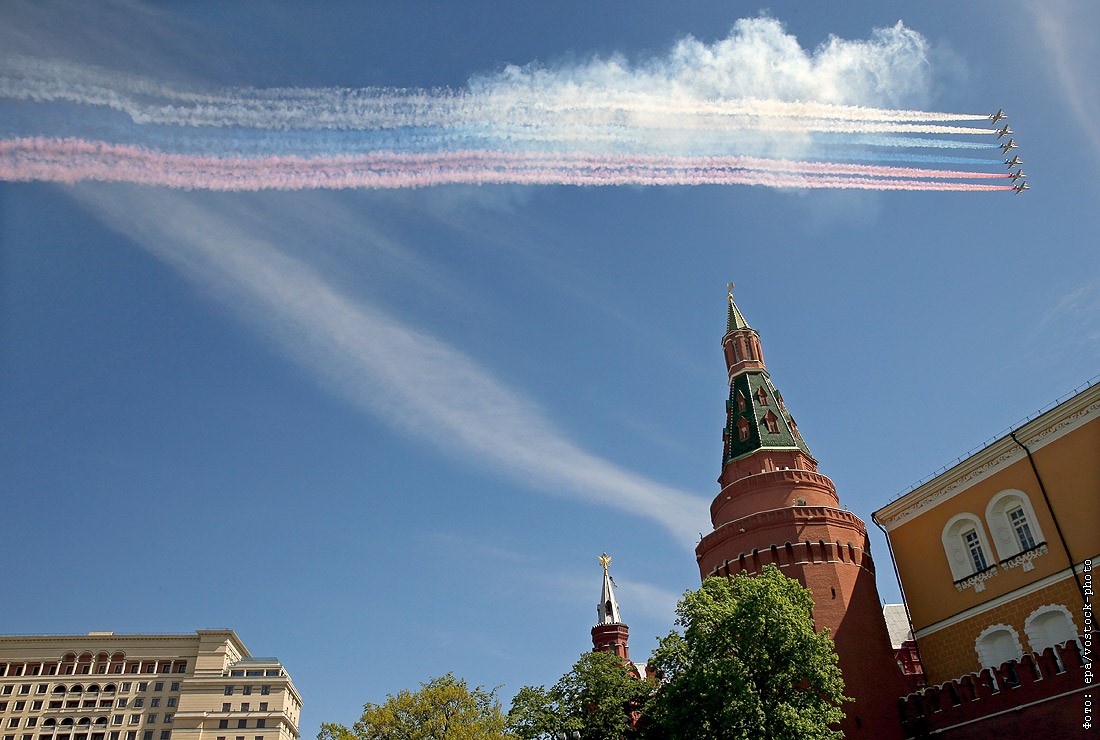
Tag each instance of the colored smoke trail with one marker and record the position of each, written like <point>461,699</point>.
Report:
<point>73,160</point>
<point>753,109</point>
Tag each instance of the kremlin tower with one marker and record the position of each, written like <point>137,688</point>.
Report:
<point>610,634</point>
<point>774,507</point>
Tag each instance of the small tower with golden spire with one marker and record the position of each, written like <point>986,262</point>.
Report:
<point>610,634</point>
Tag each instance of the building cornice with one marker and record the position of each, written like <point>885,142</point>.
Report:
<point>1046,428</point>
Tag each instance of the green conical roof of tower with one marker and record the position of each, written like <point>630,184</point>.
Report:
<point>735,319</point>
<point>757,416</point>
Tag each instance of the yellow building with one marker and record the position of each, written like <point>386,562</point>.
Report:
<point>103,686</point>
<point>991,553</point>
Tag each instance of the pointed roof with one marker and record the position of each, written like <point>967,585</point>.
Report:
<point>608,608</point>
<point>757,417</point>
<point>735,320</point>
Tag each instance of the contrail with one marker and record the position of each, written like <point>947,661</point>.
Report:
<point>36,80</point>
<point>76,160</point>
<point>752,109</point>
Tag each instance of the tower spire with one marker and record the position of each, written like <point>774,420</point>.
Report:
<point>735,320</point>
<point>609,635</point>
<point>608,608</point>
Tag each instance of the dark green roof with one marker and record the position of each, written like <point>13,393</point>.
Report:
<point>735,319</point>
<point>757,407</point>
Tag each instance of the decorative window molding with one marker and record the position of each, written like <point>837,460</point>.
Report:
<point>1014,526</point>
<point>771,423</point>
<point>743,431</point>
<point>1025,557</point>
<point>1050,625</point>
<point>977,580</point>
<point>968,553</point>
<point>997,644</point>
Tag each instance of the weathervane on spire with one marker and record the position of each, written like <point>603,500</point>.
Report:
<point>729,288</point>
<point>605,560</point>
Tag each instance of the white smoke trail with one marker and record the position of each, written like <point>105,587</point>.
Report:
<point>758,75</point>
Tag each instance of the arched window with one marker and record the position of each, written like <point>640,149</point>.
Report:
<point>996,645</point>
<point>762,396</point>
<point>1013,524</point>
<point>1049,625</point>
<point>966,546</point>
<point>771,422</point>
<point>742,429</point>
<point>741,403</point>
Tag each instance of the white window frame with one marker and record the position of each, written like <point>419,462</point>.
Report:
<point>1004,535</point>
<point>955,547</point>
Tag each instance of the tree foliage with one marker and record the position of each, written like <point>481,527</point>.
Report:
<point>598,698</point>
<point>748,664</point>
<point>443,709</point>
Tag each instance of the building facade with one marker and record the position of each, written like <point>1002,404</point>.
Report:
<point>103,686</point>
<point>775,507</point>
<point>993,554</point>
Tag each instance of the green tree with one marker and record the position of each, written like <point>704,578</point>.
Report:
<point>748,664</point>
<point>443,709</point>
<point>598,699</point>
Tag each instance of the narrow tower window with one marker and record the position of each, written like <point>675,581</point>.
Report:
<point>772,422</point>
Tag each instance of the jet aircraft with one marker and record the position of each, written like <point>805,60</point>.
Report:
<point>1017,175</point>
<point>1014,161</point>
<point>1002,132</point>
<point>1010,144</point>
<point>997,116</point>
<point>1021,188</point>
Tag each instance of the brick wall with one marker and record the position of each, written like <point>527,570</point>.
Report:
<point>1039,693</point>
<point>950,652</point>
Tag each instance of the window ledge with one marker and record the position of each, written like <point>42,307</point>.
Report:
<point>977,580</point>
<point>1024,558</point>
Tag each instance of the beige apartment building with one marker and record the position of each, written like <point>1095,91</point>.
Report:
<point>103,686</point>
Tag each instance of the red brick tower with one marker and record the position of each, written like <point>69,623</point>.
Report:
<point>610,635</point>
<point>774,507</point>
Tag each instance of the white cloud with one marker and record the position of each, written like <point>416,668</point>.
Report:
<point>404,376</point>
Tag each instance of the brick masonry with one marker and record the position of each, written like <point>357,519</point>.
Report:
<point>950,652</point>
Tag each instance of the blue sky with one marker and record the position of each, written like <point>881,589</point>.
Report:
<point>422,414</point>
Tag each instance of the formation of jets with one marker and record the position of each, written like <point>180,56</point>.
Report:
<point>1018,176</point>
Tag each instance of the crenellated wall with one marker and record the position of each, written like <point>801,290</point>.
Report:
<point>1040,691</point>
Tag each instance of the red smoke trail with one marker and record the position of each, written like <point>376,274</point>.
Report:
<point>75,160</point>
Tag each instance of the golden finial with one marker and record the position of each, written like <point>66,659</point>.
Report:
<point>605,560</point>
<point>729,289</point>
